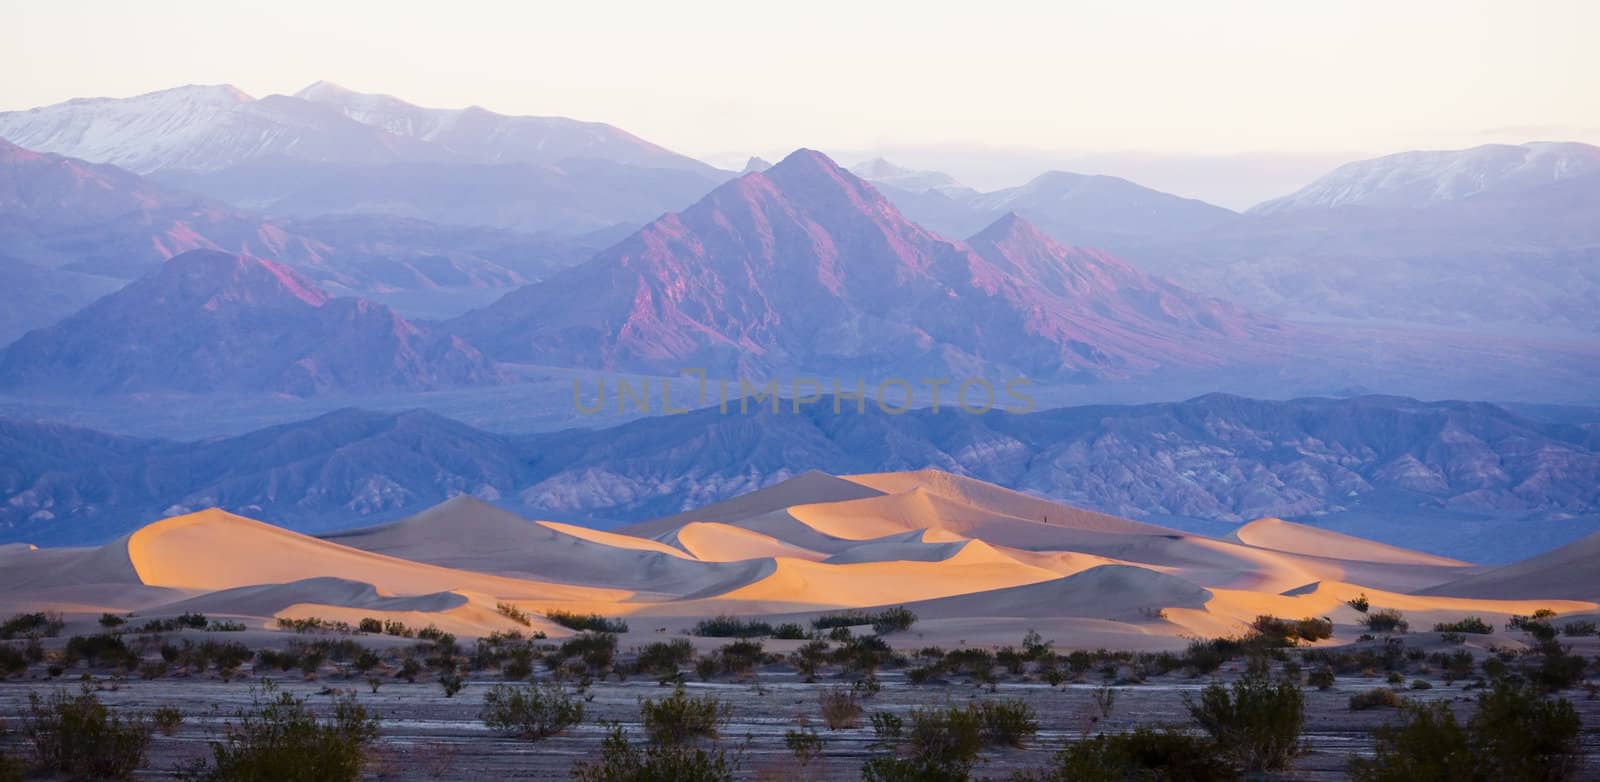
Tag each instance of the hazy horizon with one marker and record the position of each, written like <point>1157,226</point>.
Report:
<point>1231,106</point>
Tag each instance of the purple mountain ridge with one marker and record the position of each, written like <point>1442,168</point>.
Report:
<point>209,321</point>
<point>806,267</point>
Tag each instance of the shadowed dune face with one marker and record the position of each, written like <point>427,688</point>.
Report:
<point>977,562</point>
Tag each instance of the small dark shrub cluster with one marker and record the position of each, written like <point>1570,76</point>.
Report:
<point>1382,697</point>
<point>1385,620</point>
<point>515,614</point>
<point>681,719</point>
<point>1515,733</point>
<point>621,761</point>
<point>592,622</point>
<point>725,626</point>
<point>104,649</point>
<point>1359,602</point>
<point>280,738</point>
<point>1142,754</point>
<point>841,708</point>
<point>1289,632</point>
<point>883,622</point>
<point>78,736</point>
<point>530,712</point>
<point>313,624</point>
<point>663,659</point>
<point>1257,721</point>
<point>188,621</point>
<point>39,624</point>
<point>595,651</point>
<point>1471,624</point>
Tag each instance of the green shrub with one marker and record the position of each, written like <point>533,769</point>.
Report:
<point>1290,632</point>
<point>1142,754</point>
<point>370,624</point>
<point>841,619</point>
<point>789,631</point>
<point>1007,723</point>
<point>1382,697</point>
<point>663,659</point>
<point>932,744</point>
<point>225,626</point>
<point>725,626</point>
<point>1385,620</point>
<point>680,719</point>
<point>1258,723</point>
<point>1471,624</point>
<point>740,657</point>
<point>39,624</point>
<point>1359,602</point>
<point>12,661</point>
<point>804,744</point>
<point>1514,734</point>
<point>596,650</point>
<point>278,738</point>
<point>514,613</point>
<point>530,712</point>
<point>1578,628</point>
<point>893,620</point>
<point>103,649</point>
<point>1321,678</point>
<point>78,736</point>
<point>109,620</point>
<point>621,761</point>
<point>809,658</point>
<point>592,622</point>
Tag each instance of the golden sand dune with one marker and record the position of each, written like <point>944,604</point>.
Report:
<point>1280,535</point>
<point>980,563</point>
<point>712,541</point>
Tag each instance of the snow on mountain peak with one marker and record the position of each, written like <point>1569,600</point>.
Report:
<point>1423,177</point>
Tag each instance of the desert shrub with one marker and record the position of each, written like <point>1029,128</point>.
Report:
<point>38,624</point>
<point>864,654</point>
<point>1008,723</point>
<point>789,631</point>
<point>725,626</point>
<point>410,669</point>
<point>804,744</point>
<point>78,736</point>
<point>530,712</point>
<point>841,708</point>
<point>1258,722</point>
<point>1471,624</point>
<point>931,744</point>
<point>451,683</point>
<point>12,661</point>
<point>893,620</point>
<point>1382,697</point>
<point>370,624</point>
<point>1385,620</point>
<point>1421,684</point>
<point>809,658</point>
<point>314,624</point>
<point>1558,668</point>
<point>592,622</point>
<point>397,628</point>
<point>1203,656</point>
<point>1359,602</point>
<point>595,650</point>
<point>621,761</point>
<point>841,619</point>
<point>278,738</point>
<point>1578,628</point>
<point>681,719</point>
<point>514,613</point>
<point>1321,678</point>
<point>1142,754</point>
<point>662,659</point>
<point>103,649</point>
<point>166,719</point>
<point>1289,632</point>
<point>434,634</point>
<point>225,626</point>
<point>1514,734</point>
<point>109,620</point>
<point>740,657</point>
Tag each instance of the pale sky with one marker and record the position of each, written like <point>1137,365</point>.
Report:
<point>1273,81</point>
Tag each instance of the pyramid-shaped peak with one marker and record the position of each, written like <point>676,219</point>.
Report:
<point>323,90</point>
<point>806,160</point>
<point>756,164</point>
<point>1009,228</point>
<point>200,273</point>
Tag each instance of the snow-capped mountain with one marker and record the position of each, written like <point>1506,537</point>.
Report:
<point>1424,178</point>
<point>209,128</point>
<point>483,136</point>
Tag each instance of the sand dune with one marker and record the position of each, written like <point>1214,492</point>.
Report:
<point>977,562</point>
<point>1571,572</point>
<point>712,541</point>
<point>1280,535</point>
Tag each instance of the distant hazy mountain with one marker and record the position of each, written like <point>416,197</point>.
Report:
<point>881,172</point>
<point>209,321</point>
<point>1464,479</point>
<point>806,267</point>
<point>1412,180</point>
<point>330,150</point>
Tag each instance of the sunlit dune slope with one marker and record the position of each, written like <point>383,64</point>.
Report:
<point>1286,536</point>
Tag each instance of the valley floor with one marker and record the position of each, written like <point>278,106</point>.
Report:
<point>428,736</point>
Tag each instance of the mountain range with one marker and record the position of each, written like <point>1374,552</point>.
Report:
<point>1462,479</point>
<point>327,149</point>
<point>1492,238</point>
<point>207,321</point>
<point>805,267</point>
